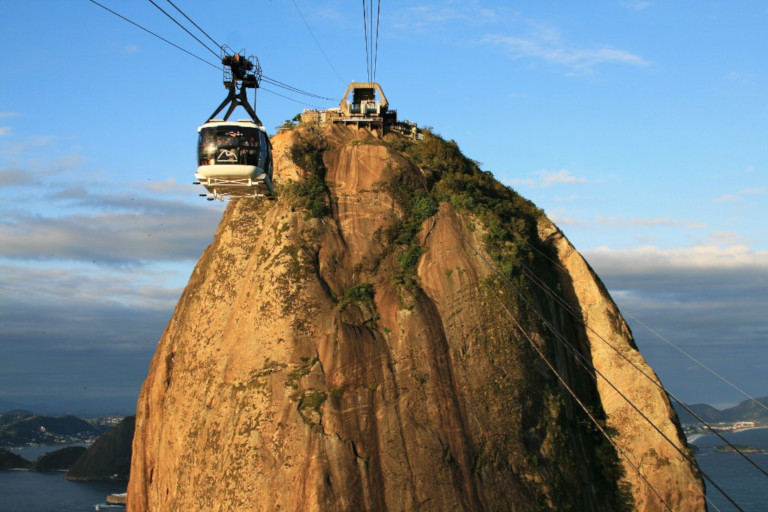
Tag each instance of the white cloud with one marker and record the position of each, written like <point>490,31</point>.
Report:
<point>131,49</point>
<point>24,146</point>
<point>740,77</point>
<point>547,45</point>
<point>4,115</point>
<point>620,222</point>
<point>5,131</point>
<point>637,5</point>
<point>738,197</point>
<point>728,198</point>
<point>170,185</point>
<point>125,230</point>
<point>736,256</point>
<point>545,178</point>
<point>425,17</point>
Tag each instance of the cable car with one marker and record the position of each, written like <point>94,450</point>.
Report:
<point>234,158</point>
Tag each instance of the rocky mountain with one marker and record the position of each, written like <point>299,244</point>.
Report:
<point>747,410</point>
<point>354,345</point>
<point>58,460</point>
<point>22,428</point>
<point>108,458</point>
<point>14,416</point>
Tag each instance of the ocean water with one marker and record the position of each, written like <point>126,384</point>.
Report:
<point>22,491</point>
<point>736,476</point>
<point>49,492</point>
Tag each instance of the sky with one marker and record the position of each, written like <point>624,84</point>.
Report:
<point>640,128</point>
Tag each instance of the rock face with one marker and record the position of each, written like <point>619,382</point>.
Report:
<point>351,346</point>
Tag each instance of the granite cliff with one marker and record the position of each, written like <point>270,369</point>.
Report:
<point>349,347</point>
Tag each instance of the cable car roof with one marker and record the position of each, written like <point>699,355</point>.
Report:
<point>240,123</point>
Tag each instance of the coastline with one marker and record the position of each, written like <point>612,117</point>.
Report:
<point>694,437</point>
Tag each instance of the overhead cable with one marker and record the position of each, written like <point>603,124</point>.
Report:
<point>579,357</point>
<point>197,26</point>
<point>293,89</point>
<point>689,356</point>
<point>365,32</point>
<point>157,36</point>
<point>184,29</point>
<point>589,366</point>
<point>581,404</point>
<point>376,52</point>
<point>287,98</point>
<point>316,41</point>
<point>559,300</point>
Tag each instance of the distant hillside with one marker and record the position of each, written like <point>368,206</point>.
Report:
<point>747,410</point>
<point>9,460</point>
<point>14,416</point>
<point>44,430</point>
<point>58,460</point>
<point>109,457</point>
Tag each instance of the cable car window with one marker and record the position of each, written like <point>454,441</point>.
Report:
<point>228,145</point>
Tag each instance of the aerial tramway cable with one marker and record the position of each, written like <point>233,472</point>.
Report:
<point>184,28</point>
<point>365,32</point>
<point>669,342</point>
<point>689,356</point>
<point>272,81</point>
<point>198,27</point>
<point>576,398</point>
<point>376,51</point>
<point>152,33</point>
<point>579,357</point>
<point>559,300</point>
<point>587,365</point>
<point>316,41</point>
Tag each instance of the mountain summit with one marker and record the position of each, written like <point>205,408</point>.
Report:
<point>383,337</point>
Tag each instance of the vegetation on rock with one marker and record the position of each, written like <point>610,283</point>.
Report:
<point>58,460</point>
<point>311,193</point>
<point>10,460</point>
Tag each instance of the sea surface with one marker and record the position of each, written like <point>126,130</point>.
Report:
<point>744,483</point>
<point>23,491</point>
<point>49,492</point>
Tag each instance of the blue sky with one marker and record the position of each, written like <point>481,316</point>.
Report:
<point>639,127</point>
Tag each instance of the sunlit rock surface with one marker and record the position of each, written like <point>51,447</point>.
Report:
<point>308,367</point>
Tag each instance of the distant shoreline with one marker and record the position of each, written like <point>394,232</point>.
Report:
<point>697,436</point>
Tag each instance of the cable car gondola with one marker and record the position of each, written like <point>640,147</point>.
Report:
<point>234,158</point>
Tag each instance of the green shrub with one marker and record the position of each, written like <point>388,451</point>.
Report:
<point>311,193</point>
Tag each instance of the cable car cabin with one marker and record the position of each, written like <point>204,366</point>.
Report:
<point>234,159</point>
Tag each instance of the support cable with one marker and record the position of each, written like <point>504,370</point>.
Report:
<point>689,356</point>
<point>579,356</point>
<point>365,32</point>
<point>573,394</point>
<point>376,52</point>
<point>287,98</point>
<point>316,41</point>
<point>157,36</point>
<point>567,307</point>
<point>218,67</point>
<point>293,89</point>
<point>658,335</point>
<point>198,27</point>
<point>184,29</point>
